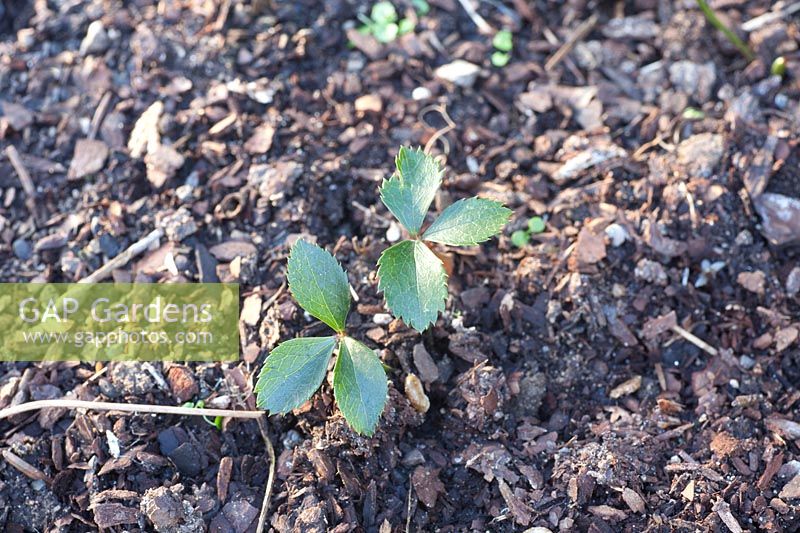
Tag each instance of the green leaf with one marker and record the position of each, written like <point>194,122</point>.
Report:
<point>414,283</point>
<point>385,33</point>
<point>359,385</point>
<point>503,41</point>
<point>422,6</point>
<point>405,26</point>
<point>409,192</point>
<point>536,224</point>
<point>383,13</point>
<point>520,238</point>
<point>468,222</point>
<point>292,372</point>
<point>318,283</point>
<point>500,59</point>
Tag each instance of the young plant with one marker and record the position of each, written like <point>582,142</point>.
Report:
<point>294,370</point>
<point>411,276</point>
<point>503,43</point>
<point>384,24</point>
<point>521,237</point>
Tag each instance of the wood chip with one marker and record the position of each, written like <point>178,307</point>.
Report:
<point>624,389</point>
<point>89,158</point>
<point>633,500</point>
<point>144,136</point>
<point>251,309</point>
<point>428,371</point>
<point>25,467</point>
<point>688,492</point>
<point>162,163</point>
<point>261,140</point>
<point>752,281</point>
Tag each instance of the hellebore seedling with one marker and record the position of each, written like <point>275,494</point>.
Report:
<point>503,43</point>
<point>384,24</point>
<point>411,276</point>
<point>294,370</point>
<point>521,237</point>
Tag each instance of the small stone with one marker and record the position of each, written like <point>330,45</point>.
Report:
<point>754,282</point>
<point>89,158</point>
<point>414,457</point>
<point>744,238</point>
<point>459,72</point>
<point>169,512</point>
<point>694,79</point>
<point>393,232</point>
<point>416,394</point>
<point>251,309</point>
<point>369,103</point>
<point>791,489</point>
<point>240,514</point>
<point>427,368</point>
<point>382,319</point>
<point>22,249</point>
<point>793,282</point>
<point>747,362</point>
<point>421,93</point>
<point>53,241</point>
<point>96,40</point>
<point>701,153</point>
<point>650,271</point>
<point>17,116</point>
<point>26,38</point>
<point>617,234</point>
<point>179,225</point>
<point>144,136</point>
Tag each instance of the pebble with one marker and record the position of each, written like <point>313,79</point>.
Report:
<point>393,232</point>
<point>416,394</point>
<point>421,93</point>
<point>744,238</point>
<point>459,72</point>
<point>22,249</point>
<point>292,439</point>
<point>651,271</point>
<point>382,319</point>
<point>96,40</point>
<point>26,37</point>
<point>617,234</point>
<point>747,362</point>
<point>793,282</point>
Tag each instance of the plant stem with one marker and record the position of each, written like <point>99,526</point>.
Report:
<point>729,34</point>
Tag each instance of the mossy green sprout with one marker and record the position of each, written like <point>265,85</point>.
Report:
<point>778,67</point>
<point>734,39</point>
<point>503,43</point>
<point>384,23</point>
<point>522,237</point>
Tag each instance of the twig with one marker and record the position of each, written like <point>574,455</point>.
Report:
<point>25,467</point>
<point>99,115</point>
<point>122,259</point>
<point>262,517</point>
<point>694,339</point>
<point>769,17</point>
<point>125,408</point>
<point>25,179</point>
<point>579,34</point>
<point>732,37</point>
<point>479,21</point>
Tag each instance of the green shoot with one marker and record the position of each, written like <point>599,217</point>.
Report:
<point>385,25</point>
<point>411,276</point>
<point>503,43</point>
<point>294,370</point>
<point>727,32</point>
<point>692,113</point>
<point>778,67</point>
<point>522,237</point>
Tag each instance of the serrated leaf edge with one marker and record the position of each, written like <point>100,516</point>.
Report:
<point>382,288</point>
<point>360,430</point>
<point>474,242</point>
<point>291,290</point>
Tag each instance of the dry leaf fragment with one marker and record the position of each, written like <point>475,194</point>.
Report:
<point>145,137</point>
<point>626,388</point>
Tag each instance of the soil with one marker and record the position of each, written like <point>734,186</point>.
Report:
<point>635,367</point>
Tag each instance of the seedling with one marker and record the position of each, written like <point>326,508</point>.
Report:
<point>200,404</point>
<point>294,370</point>
<point>503,43</point>
<point>734,39</point>
<point>521,237</point>
<point>692,113</point>
<point>778,67</point>
<point>411,276</point>
<point>384,24</point>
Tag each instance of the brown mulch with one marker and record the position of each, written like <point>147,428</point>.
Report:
<point>567,386</point>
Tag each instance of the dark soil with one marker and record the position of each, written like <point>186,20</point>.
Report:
<point>566,395</point>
